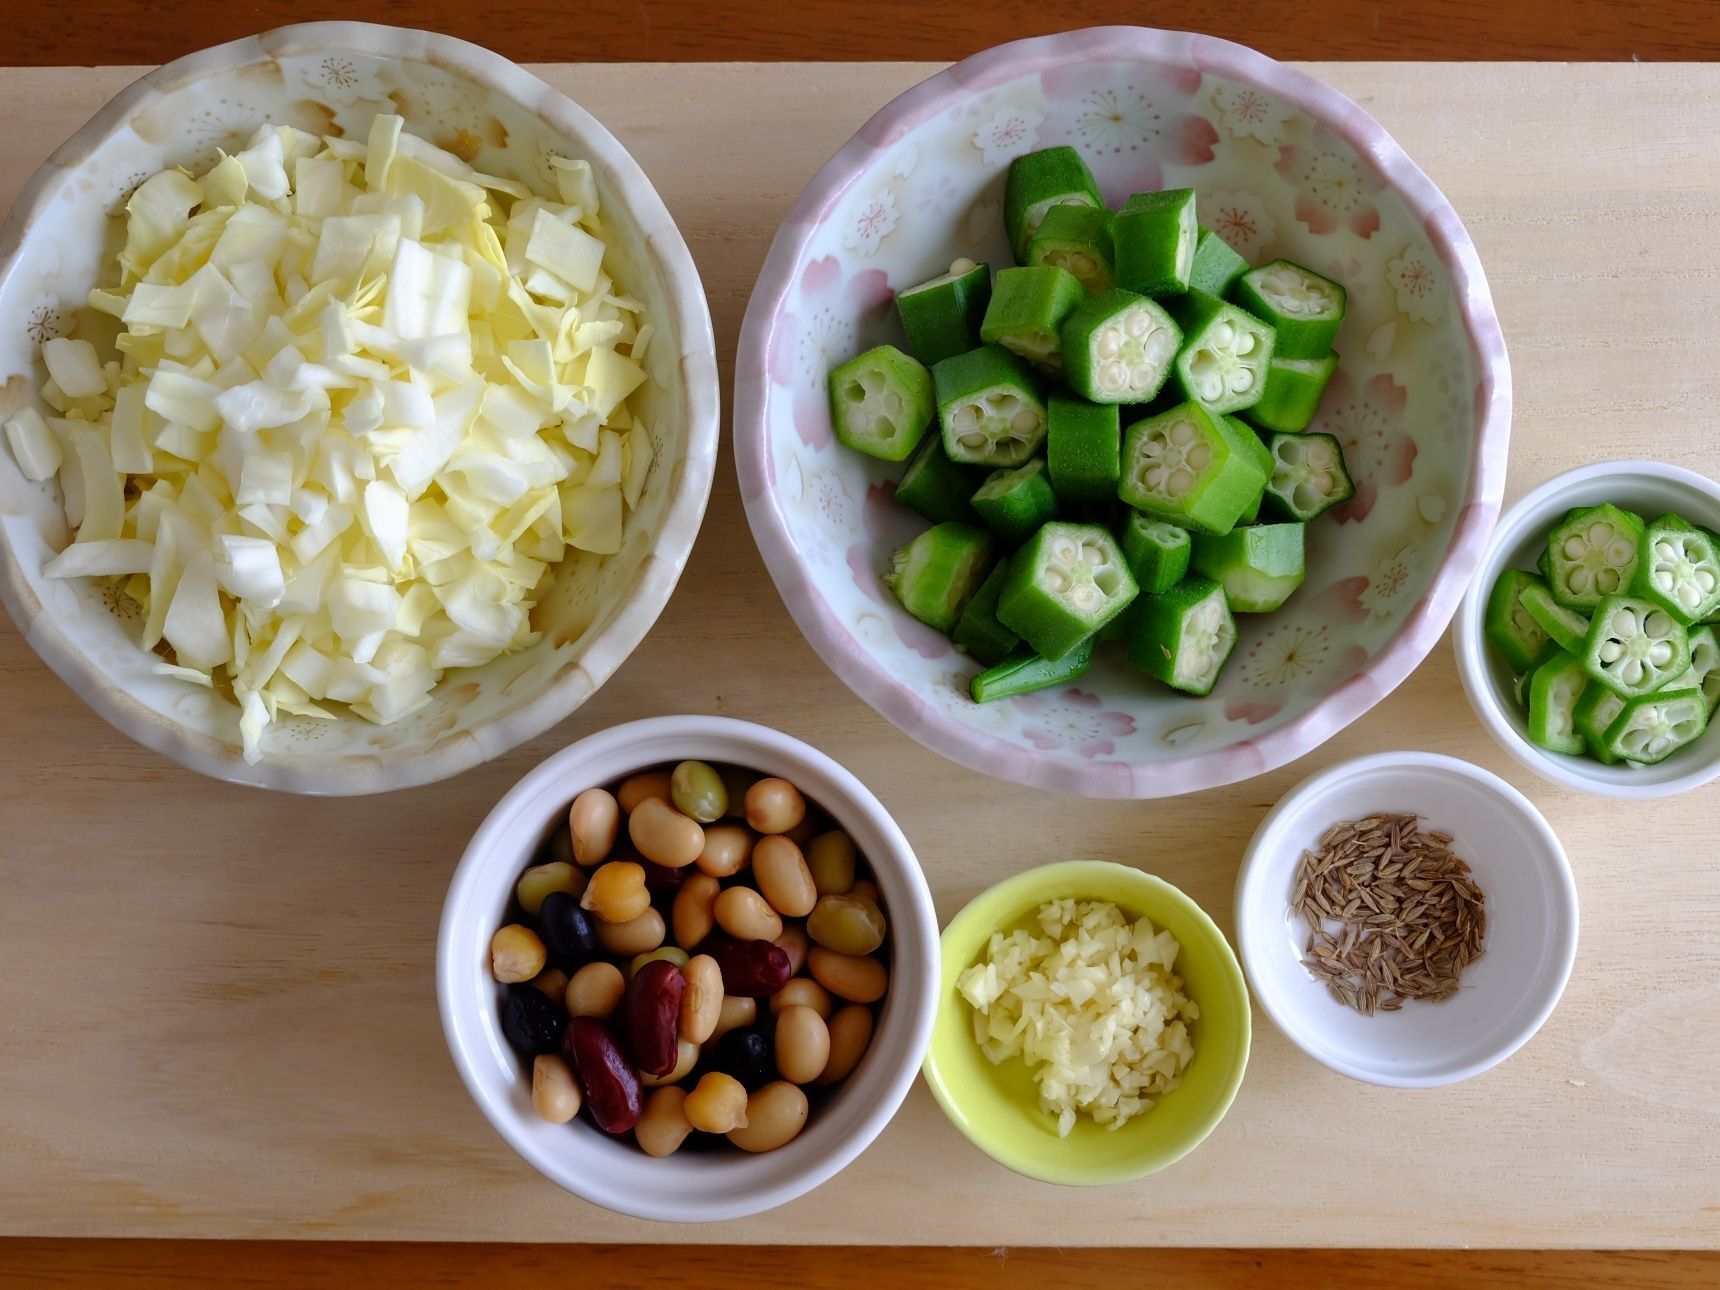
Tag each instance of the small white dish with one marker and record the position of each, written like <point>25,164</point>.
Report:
<point>1650,488</point>
<point>1506,994</point>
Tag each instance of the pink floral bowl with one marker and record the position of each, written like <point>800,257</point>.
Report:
<point>1284,166</point>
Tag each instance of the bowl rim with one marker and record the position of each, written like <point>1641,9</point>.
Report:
<point>689,477</point>
<point>1152,887</point>
<point>1255,864</point>
<point>917,958</point>
<point>1469,641</point>
<point>1067,772</point>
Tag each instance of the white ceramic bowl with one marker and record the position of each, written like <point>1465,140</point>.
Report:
<point>1506,994</point>
<point>336,76</point>
<point>708,1185</point>
<point>1649,488</point>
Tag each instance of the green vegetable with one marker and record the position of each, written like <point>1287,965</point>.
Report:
<point>942,315</point>
<point>1076,238</point>
<point>1083,448</point>
<point>1118,347</point>
<point>1156,553</point>
<point>1025,672</point>
<point>1258,566</point>
<point>1634,646</point>
<point>1512,629</point>
<point>1547,654</point>
<point>1705,665</point>
<point>1304,309</point>
<point>1651,727</point>
<point>937,487</point>
<point>936,574</point>
<point>1565,627</point>
<point>1184,636</point>
<point>1308,476</point>
<point>978,631</point>
<point>1592,554</point>
<point>989,408</point>
<point>1222,362</point>
<point>1216,265</point>
<point>1191,468</point>
<point>881,403</point>
<point>1027,307</point>
<point>1014,503</point>
<point>1553,695</point>
<point>1678,568</point>
<point>1596,710</point>
<point>1153,240</point>
<point>1294,388</point>
<point>1037,182</point>
<point>1063,586</point>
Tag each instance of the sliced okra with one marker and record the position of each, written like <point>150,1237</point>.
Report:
<point>1304,309</point>
<point>1566,628</point>
<point>1705,665</point>
<point>936,487</point>
<point>1308,476</point>
<point>1553,695</point>
<point>1027,307</point>
<point>1216,265</point>
<point>881,403</point>
<point>1592,554</point>
<point>1156,553</point>
<point>1509,626</point>
<point>1252,514</point>
<point>1678,568</point>
<point>1037,182</point>
<point>1224,355</point>
<point>1259,566</point>
<point>1076,238</point>
<point>1015,502</point>
<point>1547,654</point>
<point>1191,468</point>
<point>1153,240</point>
<point>936,574</point>
<point>1634,646</point>
<point>978,631</point>
<point>989,408</point>
<point>942,315</point>
<point>1294,388</point>
<point>1118,347</point>
<point>1651,727</point>
<point>1024,672</point>
<point>1083,449</point>
<point>1183,636</point>
<point>1063,586</point>
<point>1596,710</point>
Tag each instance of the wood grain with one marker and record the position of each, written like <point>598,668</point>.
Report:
<point>218,1011</point>
<point>43,33</point>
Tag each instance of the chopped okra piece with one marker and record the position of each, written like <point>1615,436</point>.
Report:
<point>881,403</point>
<point>1222,362</point>
<point>1308,476</point>
<point>1635,646</point>
<point>1509,626</point>
<point>989,408</point>
<point>1592,554</point>
<point>1216,265</point>
<point>1076,238</point>
<point>1553,695</point>
<point>1567,629</point>
<point>1258,566</point>
<point>1152,242</point>
<point>1596,710</point>
<point>1156,553</point>
<point>1191,468</point>
<point>1304,309</point>
<point>1037,182</point>
<point>1548,653</point>
<point>942,315</point>
<point>1651,727</point>
<point>1024,672</point>
<point>1015,502</point>
<point>937,487</point>
<point>1027,307</point>
<point>936,574</point>
<point>1118,347</point>
<point>1063,586</point>
<point>1252,514</point>
<point>1294,388</point>
<point>978,630</point>
<point>1705,665</point>
<point>1083,449</point>
<point>1678,568</point>
<point>1183,637</point>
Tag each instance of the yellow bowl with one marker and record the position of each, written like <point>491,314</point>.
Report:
<point>997,1107</point>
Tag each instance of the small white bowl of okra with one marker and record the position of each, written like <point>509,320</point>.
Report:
<point>688,968</point>
<point>1587,642</point>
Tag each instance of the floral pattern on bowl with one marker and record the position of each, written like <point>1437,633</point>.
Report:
<point>333,78</point>
<point>1284,167</point>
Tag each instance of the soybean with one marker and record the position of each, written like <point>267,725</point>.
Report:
<point>802,992</point>
<point>746,915</point>
<point>664,835</point>
<point>774,806</point>
<point>830,860</point>
<point>775,1115</point>
<point>850,1033</point>
<point>595,990</point>
<point>698,791</point>
<point>802,1044</point>
<point>728,849</point>
<point>640,788</point>
<point>538,881</point>
<point>848,976</point>
<point>593,821</point>
<point>668,953</point>
<point>783,879</point>
<point>702,1004</point>
<point>793,943</point>
<point>639,935</point>
<point>663,1125</point>
<point>551,983</point>
<point>694,911</point>
<point>847,924</point>
<point>555,1092</point>
<point>737,1011</point>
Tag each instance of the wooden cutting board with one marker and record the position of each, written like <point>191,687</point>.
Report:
<point>217,1012</point>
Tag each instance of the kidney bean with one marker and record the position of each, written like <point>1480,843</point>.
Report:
<point>662,881</point>
<point>757,969</point>
<point>568,931</point>
<point>651,1016</point>
<point>611,1085</point>
<point>530,1022</point>
<point>744,1055</point>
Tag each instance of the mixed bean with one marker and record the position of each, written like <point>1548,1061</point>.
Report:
<point>695,956</point>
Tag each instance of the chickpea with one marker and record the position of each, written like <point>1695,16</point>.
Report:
<point>593,820</point>
<point>595,990</point>
<point>686,1057</point>
<point>802,992</point>
<point>642,788</point>
<point>663,1125</point>
<point>793,943</point>
<point>553,982</point>
<point>617,893</point>
<point>728,849</point>
<point>737,1011</point>
<point>830,860</point>
<point>848,976</point>
<point>555,1092</point>
<point>746,915</point>
<point>850,1033</point>
<point>664,835</point>
<point>538,881</point>
<point>802,1044</point>
<point>669,954</point>
<point>698,790</point>
<point>717,1105</point>
<point>783,878</point>
<point>694,912</point>
<point>847,924</point>
<point>702,1001</point>
<point>775,1116</point>
<point>774,806</point>
<point>640,935</point>
<point>516,954</point>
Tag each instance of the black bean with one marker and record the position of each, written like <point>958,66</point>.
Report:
<point>531,1023</point>
<point>568,932</point>
<point>745,1055</point>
